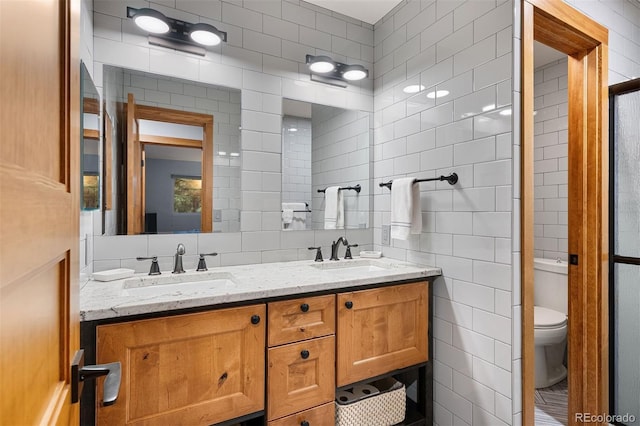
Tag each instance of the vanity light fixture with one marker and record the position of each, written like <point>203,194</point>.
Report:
<point>323,69</point>
<point>174,33</point>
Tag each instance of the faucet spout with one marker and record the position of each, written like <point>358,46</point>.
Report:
<point>335,246</point>
<point>177,264</point>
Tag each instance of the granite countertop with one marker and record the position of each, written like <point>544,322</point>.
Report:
<point>142,294</point>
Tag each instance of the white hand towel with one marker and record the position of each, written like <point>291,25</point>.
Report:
<point>287,216</point>
<point>299,218</point>
<point>406,215</point>
<point>333,208</point>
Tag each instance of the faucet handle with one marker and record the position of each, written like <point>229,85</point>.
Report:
<point>202,265</point>
<point>347,254</point>
<point>155,268</point>
<point>318,253</point>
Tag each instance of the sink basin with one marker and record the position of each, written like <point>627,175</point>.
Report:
<point>191,282</point>
<point>353,266</point>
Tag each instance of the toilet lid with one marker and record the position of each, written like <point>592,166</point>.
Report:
<point>548,318</point>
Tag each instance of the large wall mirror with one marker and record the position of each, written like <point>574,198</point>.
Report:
<point>176,145</point>
<point>324,147</point>
<point>90,147</point>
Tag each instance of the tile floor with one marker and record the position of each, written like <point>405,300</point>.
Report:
<point>551,405</point>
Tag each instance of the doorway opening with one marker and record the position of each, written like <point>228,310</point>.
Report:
<point>558,25</point>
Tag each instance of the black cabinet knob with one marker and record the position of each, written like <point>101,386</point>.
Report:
<point>348,304</point>
<point>304,423</point>
<point>304,354</point>
<point>255,319</point>
<point>304,307</point>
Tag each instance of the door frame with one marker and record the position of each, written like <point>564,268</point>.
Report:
<point>560,26</point>
<point>134,172</point>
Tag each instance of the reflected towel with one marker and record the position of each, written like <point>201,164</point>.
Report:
<point>287,216</point>
<point>298,216</point>
<point>333,208</point>
<point>406,216</point>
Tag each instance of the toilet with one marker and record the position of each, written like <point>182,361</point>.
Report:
<point>550,319</point>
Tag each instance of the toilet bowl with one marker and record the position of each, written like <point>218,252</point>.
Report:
<point>550,321</point>
<point>550,340</point>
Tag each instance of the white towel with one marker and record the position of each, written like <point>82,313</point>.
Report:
<point>406,216</point>
<point>298,216</point>
<point>333,208</point>
<point>287,216</point>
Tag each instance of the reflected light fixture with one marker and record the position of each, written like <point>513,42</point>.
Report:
<point>413,88</point>
<point>176,34</point>
<point>437,94</point>
<point>323,69</point>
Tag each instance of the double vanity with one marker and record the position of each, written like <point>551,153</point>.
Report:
<point>256,344</point>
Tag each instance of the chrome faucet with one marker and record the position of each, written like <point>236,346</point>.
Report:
<point>334,247</point>
<point>177,264</point>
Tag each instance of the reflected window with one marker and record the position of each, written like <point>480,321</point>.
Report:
<point>90,191</point>
<point>187,194</point>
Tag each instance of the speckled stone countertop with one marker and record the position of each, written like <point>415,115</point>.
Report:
<point>142,294</point>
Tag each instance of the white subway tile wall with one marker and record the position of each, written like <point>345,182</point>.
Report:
<point>460,118</point>
<point>550,165</point>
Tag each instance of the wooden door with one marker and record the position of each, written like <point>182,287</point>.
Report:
<point>134,159</point>
<point>301,376</point>
<point>195,369</point>
<point>39,210</point>
<point>381,330</point>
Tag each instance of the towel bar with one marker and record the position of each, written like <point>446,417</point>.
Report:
<point>452,179</point>
<point>356,188</point>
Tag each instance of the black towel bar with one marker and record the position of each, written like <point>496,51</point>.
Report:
<point>452,179</point>
<point>356,188</point>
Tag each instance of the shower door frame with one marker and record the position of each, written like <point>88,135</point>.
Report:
<point>615,90</point>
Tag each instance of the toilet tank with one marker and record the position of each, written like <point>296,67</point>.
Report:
<point>551,284</point>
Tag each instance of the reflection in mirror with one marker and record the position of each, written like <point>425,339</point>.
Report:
<point>162,138</point>
<point>90,146</point>
<point>324,146</point>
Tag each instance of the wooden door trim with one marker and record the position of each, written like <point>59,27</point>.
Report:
<point>558,25</point>
<point>145,112</point>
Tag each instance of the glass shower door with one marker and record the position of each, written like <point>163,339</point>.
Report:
<point>624,104</point>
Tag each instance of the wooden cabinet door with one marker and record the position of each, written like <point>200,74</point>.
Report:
<point>194,369</point>
<point>323,415</point>
<point>381,330</point>
<point>300,319</point>
<point>300,376</point>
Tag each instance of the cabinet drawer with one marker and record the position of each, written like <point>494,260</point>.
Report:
<point>323,415</point>
<point>300,376</point>
<point>381,330</point>
<point>294,320</point>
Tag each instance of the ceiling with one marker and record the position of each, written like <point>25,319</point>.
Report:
<point>369,11</point>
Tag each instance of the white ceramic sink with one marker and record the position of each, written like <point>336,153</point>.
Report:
<point>352,266</point>
<point>190,282</point>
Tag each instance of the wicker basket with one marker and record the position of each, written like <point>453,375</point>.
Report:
<point>384,409</point>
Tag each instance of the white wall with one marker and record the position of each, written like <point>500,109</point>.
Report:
<point>264,57</point>
<point>340,157</point>
<point>465,48</point>
<point>550,160</point>
<point>622,19</point>
<point>296,161</point>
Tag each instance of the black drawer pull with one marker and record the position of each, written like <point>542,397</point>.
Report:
<point>304,307</point>
<point>304,423</point>
<point>304,354</point>
<point>348,304</point>
<point>255,319</point>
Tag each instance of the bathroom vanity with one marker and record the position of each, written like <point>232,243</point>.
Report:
<point>256,344</point>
